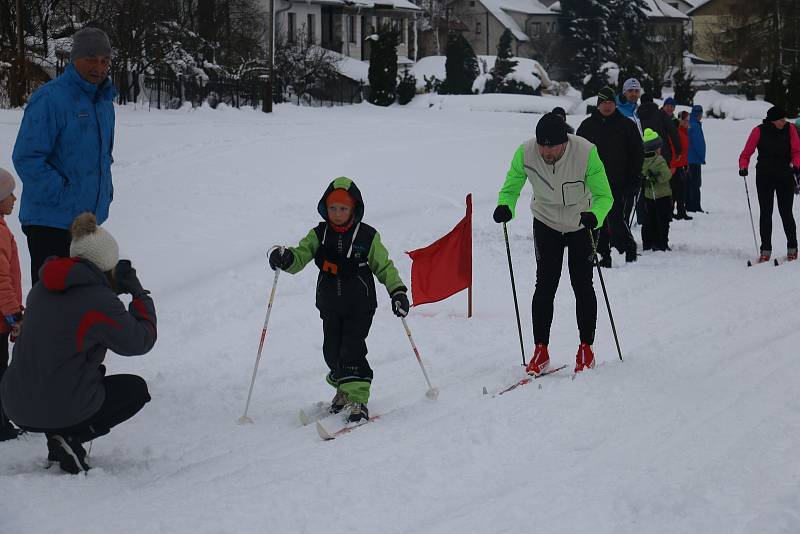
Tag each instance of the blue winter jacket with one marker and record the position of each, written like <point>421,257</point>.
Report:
<point>697,142</point>
<point>63,151</point>
<point>629,110</point>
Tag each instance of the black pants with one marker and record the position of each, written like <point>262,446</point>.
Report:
<point>693,182</point>
<point>615,232</point>
<point>125,396</point>
<point>768,188</point>
<point>655,229</point>
<point>678,184</point>
<point>345,346</point>
<point>43,242</point>
<point>4,423</point>
<point>549,245</point>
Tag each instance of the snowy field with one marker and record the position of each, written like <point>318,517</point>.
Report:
<point>696,431</point>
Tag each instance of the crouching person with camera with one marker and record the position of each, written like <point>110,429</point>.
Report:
<point>56,382</point>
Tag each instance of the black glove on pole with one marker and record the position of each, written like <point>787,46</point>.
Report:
<point>605,294</point>
<point>400,303</point>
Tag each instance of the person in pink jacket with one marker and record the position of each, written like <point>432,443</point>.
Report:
<point>10,289</point>
<point>777,175</point>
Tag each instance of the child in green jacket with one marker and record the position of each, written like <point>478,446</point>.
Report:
<point>657,194</point>
<point>347,252</point>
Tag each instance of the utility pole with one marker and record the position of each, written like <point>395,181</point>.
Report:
<point>21,85</point>
<point>266,105</point>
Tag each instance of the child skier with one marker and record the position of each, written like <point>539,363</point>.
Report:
<point>10,289</point>
<point>348,252</point>
<point>657,194</point>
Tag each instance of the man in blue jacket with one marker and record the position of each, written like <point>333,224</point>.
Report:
<point>697,157</point>
<point>63,149</point>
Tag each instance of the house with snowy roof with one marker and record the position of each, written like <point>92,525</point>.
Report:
<point>344,25</point>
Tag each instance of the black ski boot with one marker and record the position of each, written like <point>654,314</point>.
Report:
<point>339,402</point>
<point>358,412</point>
<point>68,452</point>
<point>630,254</point>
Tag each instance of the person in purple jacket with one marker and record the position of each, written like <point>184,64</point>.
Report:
<point>56,382</point>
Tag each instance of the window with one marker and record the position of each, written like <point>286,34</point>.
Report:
<point>311,29</point>
<point>351,28</point>
<point>291,31</point>
<point>478,28</point>
<point>471,3</point>
<point>536,28</point>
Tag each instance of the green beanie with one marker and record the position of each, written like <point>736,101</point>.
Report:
<point>652,141</point>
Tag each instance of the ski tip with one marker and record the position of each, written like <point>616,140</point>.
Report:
<point>323,434</point>
<point>304,419</point>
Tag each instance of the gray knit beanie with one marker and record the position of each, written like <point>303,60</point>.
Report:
<point>88,42</point>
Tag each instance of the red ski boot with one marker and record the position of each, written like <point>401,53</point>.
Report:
<point>765,255</point>
<point>791,255</point>
<point>585,358</point>
<point>540,361</point>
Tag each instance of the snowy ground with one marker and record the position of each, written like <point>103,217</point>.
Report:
<point>695,432</point>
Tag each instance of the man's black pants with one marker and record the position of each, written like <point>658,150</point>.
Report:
<point>615,232</point>
<point>549,245</point>
<point>43,242</point>
<point>768,188</point>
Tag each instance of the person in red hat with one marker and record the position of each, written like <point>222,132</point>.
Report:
<point>348,252</point>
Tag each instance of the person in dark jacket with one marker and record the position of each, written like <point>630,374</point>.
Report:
<point>777,175</point>
<point>348,252</point>
<point>56,382</point>
<point>661,123</point>
<point>63,149</point>
<point>561,112</point>
<point>620,148</point>
<point>696,159</point>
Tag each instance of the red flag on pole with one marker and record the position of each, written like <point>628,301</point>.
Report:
<point>444,268</point>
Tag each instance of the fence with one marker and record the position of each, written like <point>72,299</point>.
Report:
<point>167,92</point>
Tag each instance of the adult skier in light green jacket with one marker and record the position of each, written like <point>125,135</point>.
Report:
<point>571,198</point>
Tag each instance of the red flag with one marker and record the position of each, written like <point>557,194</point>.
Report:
<point>443,268</point>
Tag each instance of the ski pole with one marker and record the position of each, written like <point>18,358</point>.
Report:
<point>244,419</point>
<point>605,294</point>
<point>752,224</point>
<point>432,392</point>
<point>514,291</point>
<point>633,211</point>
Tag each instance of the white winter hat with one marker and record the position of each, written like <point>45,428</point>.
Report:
<point>631,84</point>
<point>93,243</point>
<point>7,184</point>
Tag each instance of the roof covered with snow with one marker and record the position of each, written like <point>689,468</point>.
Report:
<point>401,5</point>
<point>660,9</point>
<point>500,10</point>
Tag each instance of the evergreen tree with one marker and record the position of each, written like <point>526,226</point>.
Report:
<point>503,66</point>
<point>461,66</point>
<point>682,84</point>
<point>383,67</point>
<point>588,32</point>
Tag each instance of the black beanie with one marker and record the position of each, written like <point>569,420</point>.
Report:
<point>647,98</point>
<point>606,94</point>
<point>551,130</point>
<point>775,113</point>
<point>558,110</point>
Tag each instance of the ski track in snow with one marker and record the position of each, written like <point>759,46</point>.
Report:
<point>694,432</point>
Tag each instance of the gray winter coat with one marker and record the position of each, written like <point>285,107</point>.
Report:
<point>73,317</point>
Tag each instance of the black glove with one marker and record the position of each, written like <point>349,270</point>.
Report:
<point>400,303</point>
<point>281,258</point>
<point>743,172</point>
<point>502,213</point>
<point>126,279</point>
<point>588,220</point>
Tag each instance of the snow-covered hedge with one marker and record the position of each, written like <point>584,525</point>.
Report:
<point>731,106</point>
<point>527,71</point>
